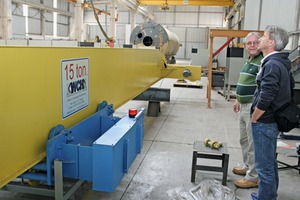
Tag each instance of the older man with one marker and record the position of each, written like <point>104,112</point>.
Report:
<point>245,90</point>
<point>273,91</point>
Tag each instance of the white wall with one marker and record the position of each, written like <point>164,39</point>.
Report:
<point>259,14</point>
<point>188,22</point>
<point>40,23</point>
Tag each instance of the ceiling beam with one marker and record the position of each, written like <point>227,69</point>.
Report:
<point>133,5</point>
<point>234,9</point>
<point>230,33</point>
<point>188,2</point>
<point>43,7</point>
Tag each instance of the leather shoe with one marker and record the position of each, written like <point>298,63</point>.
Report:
<point>239,171</point>
<point>244,183</point>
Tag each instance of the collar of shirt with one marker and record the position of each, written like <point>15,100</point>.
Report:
<point>274,52</point>
<point>251,58</point>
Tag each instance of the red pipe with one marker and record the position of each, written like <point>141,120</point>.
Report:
<point>222,47</point>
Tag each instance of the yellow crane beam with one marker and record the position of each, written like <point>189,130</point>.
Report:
<point>188,2</point>
<point>34,100</point>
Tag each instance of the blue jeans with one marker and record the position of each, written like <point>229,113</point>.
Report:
<point>265,143</point>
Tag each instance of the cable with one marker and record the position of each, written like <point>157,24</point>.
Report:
<point>97,19</point>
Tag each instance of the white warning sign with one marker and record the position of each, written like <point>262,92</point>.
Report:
<point>75,85</point>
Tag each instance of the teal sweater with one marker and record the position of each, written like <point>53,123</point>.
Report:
<point>247,81</point>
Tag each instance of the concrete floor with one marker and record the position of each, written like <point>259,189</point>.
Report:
<point>165,162</point>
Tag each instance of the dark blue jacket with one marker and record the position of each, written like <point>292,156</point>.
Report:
<point>273,86</point>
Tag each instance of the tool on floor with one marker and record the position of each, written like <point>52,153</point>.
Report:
<point>212,144</point>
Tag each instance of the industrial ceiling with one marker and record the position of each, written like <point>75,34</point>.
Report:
<point>188,2</point>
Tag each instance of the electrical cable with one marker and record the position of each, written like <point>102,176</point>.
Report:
<point>97,19</point>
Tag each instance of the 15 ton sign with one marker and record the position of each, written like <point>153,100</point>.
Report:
<point>75,85</point>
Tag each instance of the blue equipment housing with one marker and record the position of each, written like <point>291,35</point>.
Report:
<point>100,149</point>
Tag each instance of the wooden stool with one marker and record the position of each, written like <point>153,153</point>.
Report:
<point>202,151</point>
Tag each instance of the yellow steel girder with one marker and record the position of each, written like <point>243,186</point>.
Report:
<point>32,91</point>
<point>31,96</point>
<point>189,2</point>
<point>176,71</point>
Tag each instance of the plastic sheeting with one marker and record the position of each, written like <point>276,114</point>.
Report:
<point>207,190</point>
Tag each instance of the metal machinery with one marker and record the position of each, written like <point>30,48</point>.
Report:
<point>295,59</point>
<point>234,61</point>
<point>151,34</point>
<point>55,122</point>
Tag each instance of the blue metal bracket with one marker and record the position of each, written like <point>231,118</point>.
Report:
<point>100,149</point>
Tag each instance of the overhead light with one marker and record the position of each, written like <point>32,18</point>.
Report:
<point>85,4</point>
<point>185,2</point>
<point>164,6</point>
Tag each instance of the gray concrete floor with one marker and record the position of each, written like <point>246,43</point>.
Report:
<point>165,161</point>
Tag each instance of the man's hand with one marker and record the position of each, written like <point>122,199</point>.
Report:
<point>236,106</point>
<point>256,114</point>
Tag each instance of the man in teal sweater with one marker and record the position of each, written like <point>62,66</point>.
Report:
<point>244,92</point>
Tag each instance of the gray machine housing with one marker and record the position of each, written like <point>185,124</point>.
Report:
<point>295,59</point>
<point>234,62</point>
<point>152,34</point>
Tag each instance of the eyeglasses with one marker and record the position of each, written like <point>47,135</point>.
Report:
<point>254,43</point>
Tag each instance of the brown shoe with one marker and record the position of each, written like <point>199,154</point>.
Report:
<point>244,183</point>
<point>239,171</point>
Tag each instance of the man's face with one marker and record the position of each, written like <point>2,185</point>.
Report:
<point>264,41</point>
<point>252,44</point>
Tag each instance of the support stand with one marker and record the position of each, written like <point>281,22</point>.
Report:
<point>288,137</point>
<point>57,191</point>
<point>289,153</point>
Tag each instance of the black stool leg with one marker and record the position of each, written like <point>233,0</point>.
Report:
<point>225,161</point>
<point>194,163</point>
<point>299,164</point>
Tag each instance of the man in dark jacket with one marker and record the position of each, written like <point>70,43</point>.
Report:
<point>273,91</point>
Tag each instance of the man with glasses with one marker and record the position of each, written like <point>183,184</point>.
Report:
<point>244,95</point>
<point>273,91</point>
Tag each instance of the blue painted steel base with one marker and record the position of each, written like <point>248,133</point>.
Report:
<point>100,149</point>
<point>114,152</point>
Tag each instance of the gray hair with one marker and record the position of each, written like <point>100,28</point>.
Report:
<point>279,35</point>
<point>257,34</point>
